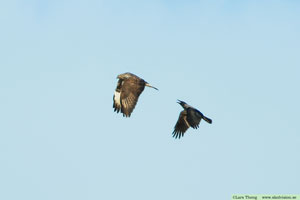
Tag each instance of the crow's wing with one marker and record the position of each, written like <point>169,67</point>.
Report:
<point>182,125</point>
<point>194,117</point>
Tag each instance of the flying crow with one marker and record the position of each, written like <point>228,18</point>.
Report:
<point>188,117</point>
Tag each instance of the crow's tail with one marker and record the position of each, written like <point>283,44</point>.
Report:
<point>207,119</point>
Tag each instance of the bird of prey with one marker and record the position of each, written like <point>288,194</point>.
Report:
<point>128,90</point>
<point>188,117</point>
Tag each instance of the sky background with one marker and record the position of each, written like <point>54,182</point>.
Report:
<point>236,61</point>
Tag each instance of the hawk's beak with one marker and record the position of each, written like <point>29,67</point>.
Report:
<point>148,85</point>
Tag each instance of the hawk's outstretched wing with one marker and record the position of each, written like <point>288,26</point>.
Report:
<point>127,94</point>
<point>116,98</point>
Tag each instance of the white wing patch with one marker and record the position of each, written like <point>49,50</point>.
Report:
<point>117,98</point>
<point>124,104</point>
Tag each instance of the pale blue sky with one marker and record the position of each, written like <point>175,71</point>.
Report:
<point>236,61</point>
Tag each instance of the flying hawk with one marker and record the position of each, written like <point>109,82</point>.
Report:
<point>188,117</point>
<point>128,90</point>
